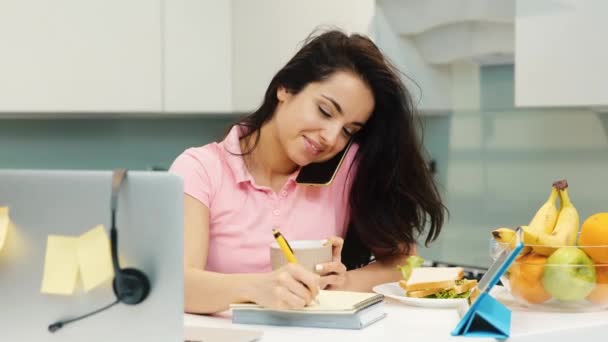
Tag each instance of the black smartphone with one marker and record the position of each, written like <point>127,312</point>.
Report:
<point>322,173</point>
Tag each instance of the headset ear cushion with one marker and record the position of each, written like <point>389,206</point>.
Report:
<point>131,286</point>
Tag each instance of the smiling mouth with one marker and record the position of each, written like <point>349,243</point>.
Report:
<point>314,147</point>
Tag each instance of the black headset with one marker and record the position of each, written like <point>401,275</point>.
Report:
<point>131,286</point>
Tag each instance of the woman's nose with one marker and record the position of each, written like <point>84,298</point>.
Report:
<point>330,134</point>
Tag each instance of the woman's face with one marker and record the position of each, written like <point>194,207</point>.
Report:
<point>316,123</point>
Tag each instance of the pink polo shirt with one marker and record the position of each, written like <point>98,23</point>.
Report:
<point>243,214</point>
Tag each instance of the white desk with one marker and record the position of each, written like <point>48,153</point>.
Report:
<point>406,323</point>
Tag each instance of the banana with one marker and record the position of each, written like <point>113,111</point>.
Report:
<point>545,218</point>
<point>507,236</point>
<point>568,221</point>
<point>566,227</point>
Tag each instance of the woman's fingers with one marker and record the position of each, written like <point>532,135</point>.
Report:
<point>330,267</point>
<point>336,244</point>
<point>333,282</point>
<point>296,288</point>
<point>287,299</point>
<point>307,278</point>
<point>333,275</point>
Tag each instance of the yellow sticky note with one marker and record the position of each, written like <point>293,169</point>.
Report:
<point>60,265</point>
<point>94,257</point>
<point>4,220</point>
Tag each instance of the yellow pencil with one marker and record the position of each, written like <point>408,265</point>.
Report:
<point>285,247</point>
<point>287,251</point>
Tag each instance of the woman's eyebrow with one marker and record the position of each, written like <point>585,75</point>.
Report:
<point>336,104</point>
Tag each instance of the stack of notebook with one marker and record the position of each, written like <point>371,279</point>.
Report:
<point>335,309</point>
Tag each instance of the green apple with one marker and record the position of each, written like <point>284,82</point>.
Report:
<point>569,274</point>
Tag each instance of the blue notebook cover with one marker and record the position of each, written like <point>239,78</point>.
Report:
<point>337,310</point>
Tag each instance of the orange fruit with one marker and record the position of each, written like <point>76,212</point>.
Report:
<point>525,278</point>
<point>594,232</point>
<point>599,294</point>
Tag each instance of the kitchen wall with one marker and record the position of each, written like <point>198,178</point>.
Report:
<point>103,143</point>
<point>496,164</point>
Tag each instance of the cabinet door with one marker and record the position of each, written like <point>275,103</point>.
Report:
<point>267,33</point>
<point>198,56</point>
<point>80,56</point>
<point>561,53</point>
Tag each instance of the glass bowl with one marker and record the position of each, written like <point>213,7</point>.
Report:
<point>566,278</point>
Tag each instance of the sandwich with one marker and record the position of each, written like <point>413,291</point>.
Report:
<point>438,282</point>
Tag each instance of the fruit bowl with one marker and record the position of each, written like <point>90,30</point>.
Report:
<point>567,278</point>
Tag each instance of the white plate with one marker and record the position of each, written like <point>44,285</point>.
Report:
<point>394,291</point>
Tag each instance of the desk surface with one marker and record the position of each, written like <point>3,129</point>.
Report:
<point>426,324</point>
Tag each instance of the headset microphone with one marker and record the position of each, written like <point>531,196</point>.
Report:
<point>58,325</point>
<point>131,286</point>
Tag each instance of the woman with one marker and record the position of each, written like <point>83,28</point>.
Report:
<point>336,88</point>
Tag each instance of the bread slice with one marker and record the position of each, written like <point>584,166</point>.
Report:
<point>474,294</point>
<point>425,278</point>
<point>422,293</point>
<point>467,285</point>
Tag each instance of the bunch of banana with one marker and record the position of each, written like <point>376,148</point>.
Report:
<point>565,230</point>
<point>545,218</point>
<point>542,222</point>
<point>550,227</point>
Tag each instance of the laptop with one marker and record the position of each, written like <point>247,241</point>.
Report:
<point>149,223</point>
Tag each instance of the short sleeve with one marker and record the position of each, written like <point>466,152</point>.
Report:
<point>197,167</point>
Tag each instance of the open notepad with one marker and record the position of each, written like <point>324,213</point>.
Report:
<point>336,309</point>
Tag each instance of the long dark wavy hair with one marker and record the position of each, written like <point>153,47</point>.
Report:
<point>393,198</point>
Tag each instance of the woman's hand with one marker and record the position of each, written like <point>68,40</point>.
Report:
<point>333,274</point>
<point>290,286</point>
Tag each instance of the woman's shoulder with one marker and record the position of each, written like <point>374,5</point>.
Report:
<point>208,157</point>
<point>200,169</point>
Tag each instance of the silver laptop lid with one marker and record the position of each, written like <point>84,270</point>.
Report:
<point>150,230</point>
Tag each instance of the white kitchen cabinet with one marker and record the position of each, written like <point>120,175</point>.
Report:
<point>80,56</point>
<point>428,85</point>
<point>561,53</point>
<point>197,56</point>
<point>219,55</point>
<point>266,34</point>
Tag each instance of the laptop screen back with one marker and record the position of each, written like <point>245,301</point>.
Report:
<point>69,203</point>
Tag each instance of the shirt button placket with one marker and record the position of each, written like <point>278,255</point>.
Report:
<point>279,202</point>
<point>276,212</point>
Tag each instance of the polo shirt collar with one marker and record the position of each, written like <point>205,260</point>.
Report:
<point>231,148</point>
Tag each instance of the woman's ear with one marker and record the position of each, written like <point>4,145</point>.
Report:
<point>283,94</point>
